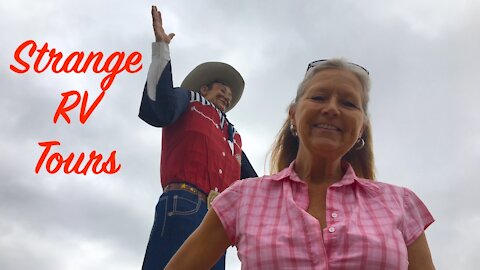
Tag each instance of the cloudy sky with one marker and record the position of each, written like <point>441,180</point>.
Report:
<point>423,59</point>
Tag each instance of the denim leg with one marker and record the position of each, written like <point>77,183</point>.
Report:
<point>178,213</point>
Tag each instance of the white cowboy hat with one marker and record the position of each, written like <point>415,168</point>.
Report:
<point>210,71</point>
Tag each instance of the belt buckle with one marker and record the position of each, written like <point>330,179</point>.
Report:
<point>211,196</point>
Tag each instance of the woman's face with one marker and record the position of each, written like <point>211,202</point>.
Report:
<point>329,117</point>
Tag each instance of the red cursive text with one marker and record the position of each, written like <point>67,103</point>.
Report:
<point>78,62</point>
<point>56,161</point>
<point>84,114</point>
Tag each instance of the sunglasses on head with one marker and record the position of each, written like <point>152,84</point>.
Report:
<point>319,62</point>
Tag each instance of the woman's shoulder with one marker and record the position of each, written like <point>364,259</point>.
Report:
<point>381,185</point>
<point>391,191</point>
<point>257,183</point>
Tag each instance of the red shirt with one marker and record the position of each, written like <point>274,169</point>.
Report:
<point>369,224</point>
<point>196,149</point>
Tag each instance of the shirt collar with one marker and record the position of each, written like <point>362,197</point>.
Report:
<point>349,178</point>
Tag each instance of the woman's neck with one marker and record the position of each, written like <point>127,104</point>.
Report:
<point>318,170</point>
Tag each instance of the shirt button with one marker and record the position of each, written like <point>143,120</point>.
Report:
<point>224,139</point>
<point>334,215</point>
<point>223,153</point>
<point>220,171</point>
<point>331,229</point>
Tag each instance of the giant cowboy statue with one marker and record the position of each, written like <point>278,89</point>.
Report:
<point>201,150</point>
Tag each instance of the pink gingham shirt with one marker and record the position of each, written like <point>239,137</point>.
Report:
<point>369,224</point>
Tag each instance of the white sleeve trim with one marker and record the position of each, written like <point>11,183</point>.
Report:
<point>160,59</point>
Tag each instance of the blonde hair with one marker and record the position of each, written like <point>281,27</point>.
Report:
<point>285,148</point>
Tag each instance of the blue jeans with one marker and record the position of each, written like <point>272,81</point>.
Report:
<point>177,214</point>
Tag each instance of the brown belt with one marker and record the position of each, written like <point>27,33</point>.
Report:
<point>186,187</point>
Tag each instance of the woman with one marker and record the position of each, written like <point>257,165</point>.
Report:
<point>321,210</point>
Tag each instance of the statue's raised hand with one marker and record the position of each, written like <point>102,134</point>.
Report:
<point>160,34</point>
